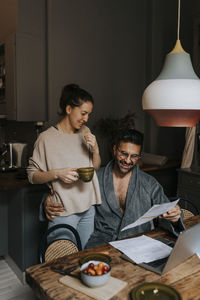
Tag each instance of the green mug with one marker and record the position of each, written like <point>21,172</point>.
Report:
<point>86,174</point>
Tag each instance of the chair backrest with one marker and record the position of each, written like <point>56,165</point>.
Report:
<point>188,208</point>
<point>187,213</point>
<point>58,247</point>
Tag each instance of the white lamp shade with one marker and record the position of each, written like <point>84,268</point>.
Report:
<point>173,99</point>
<point>172,94</point>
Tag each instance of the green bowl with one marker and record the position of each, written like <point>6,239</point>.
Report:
<point>86,174</point>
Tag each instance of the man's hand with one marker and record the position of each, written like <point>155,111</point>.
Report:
<point>52,209</point>
<point>173,214</point>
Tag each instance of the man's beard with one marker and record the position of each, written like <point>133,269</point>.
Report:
<point>124,167</point>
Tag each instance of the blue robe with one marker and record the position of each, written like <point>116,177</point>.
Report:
<point>143,192</point>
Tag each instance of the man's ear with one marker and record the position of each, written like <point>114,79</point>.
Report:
<point>114,150</point>
<point>68,109</point>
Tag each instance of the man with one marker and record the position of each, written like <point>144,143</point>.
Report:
<point>127,193</point>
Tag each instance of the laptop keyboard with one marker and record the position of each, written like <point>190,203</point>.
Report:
<point>158,262</point>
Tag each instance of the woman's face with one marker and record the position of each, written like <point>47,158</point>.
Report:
<point>79,115</point>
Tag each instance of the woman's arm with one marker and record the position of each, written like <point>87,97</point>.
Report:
<point>96,159</point>
<point>66,175</point>
<point>94,148</point>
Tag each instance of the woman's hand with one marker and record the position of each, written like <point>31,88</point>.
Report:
<point>173,214</point>
<point>94,148</point>
<point>67,175</point>
<point>92,142</point>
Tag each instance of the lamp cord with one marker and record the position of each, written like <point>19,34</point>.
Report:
<point>178,27</point>
<point>178,48</point>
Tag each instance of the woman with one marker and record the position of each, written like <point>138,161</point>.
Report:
<point>59,151</point>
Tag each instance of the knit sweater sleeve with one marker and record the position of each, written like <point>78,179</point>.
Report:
<point>38,159</point>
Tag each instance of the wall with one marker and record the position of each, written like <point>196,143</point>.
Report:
<point>101,46</point>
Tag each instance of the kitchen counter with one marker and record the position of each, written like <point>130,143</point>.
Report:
<point>171,163</point>
<point>13,180</point>
<point>17,179</point>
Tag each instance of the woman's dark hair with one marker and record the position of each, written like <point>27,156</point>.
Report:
<point>129,136</point>
<point>74,96</point>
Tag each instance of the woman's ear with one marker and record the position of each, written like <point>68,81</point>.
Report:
<point>68,109</point>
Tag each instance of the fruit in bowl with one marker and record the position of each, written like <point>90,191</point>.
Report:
<point>95,273</point>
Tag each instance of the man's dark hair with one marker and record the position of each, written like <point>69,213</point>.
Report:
<point>129,136</point>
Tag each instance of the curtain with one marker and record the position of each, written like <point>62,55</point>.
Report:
<point>188,151</point>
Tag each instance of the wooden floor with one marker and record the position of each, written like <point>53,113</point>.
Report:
<point>11,287</point>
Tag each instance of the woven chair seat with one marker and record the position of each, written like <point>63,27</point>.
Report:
<point>60,248</point>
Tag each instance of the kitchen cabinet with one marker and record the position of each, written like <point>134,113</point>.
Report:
<point>24,228</point>
<point>20,228</point>
<point>189,185</point>
<point>166,175</point>
<point>2,78</point>
<point>2,72</point>
<point>25,88</point>
<point>3,223</point>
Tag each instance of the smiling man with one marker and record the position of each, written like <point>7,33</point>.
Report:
<point>127,193</point>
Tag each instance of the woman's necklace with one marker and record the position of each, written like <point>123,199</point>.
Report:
<point>64,128</point>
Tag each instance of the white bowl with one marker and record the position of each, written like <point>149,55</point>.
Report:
<point>94,280</point>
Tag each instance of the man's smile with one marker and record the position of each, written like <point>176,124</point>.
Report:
<point>125,165</point>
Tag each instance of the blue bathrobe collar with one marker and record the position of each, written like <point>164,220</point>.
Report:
<point>108,187</point>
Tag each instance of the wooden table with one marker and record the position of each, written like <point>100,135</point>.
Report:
<point>185,278</point>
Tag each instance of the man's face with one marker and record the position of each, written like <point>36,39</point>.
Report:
<point>126,156</point>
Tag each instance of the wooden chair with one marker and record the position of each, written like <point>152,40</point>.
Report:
<point>186,213</point>
<point>58,247</point>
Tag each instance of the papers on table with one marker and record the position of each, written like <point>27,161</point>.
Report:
<point>155,211</point>
<point>142,249</point>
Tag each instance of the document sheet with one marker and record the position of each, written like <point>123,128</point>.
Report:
<point>155,211</point>
<point>142,249</point>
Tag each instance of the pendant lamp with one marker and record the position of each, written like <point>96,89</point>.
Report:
<point>173,99</point>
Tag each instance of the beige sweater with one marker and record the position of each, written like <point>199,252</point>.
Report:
<point>55,149</point>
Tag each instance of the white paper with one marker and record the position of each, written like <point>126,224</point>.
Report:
<point>142,249</point>
<point>155,211</point>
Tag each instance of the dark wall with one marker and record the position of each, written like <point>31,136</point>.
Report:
<point>101,46</point>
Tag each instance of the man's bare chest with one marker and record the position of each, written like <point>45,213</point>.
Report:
<point>121,189</point>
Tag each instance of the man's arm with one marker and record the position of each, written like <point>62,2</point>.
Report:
<point>173,219</point>
<point>50,209</point>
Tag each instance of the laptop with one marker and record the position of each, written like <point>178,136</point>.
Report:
<point>187,244</point>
